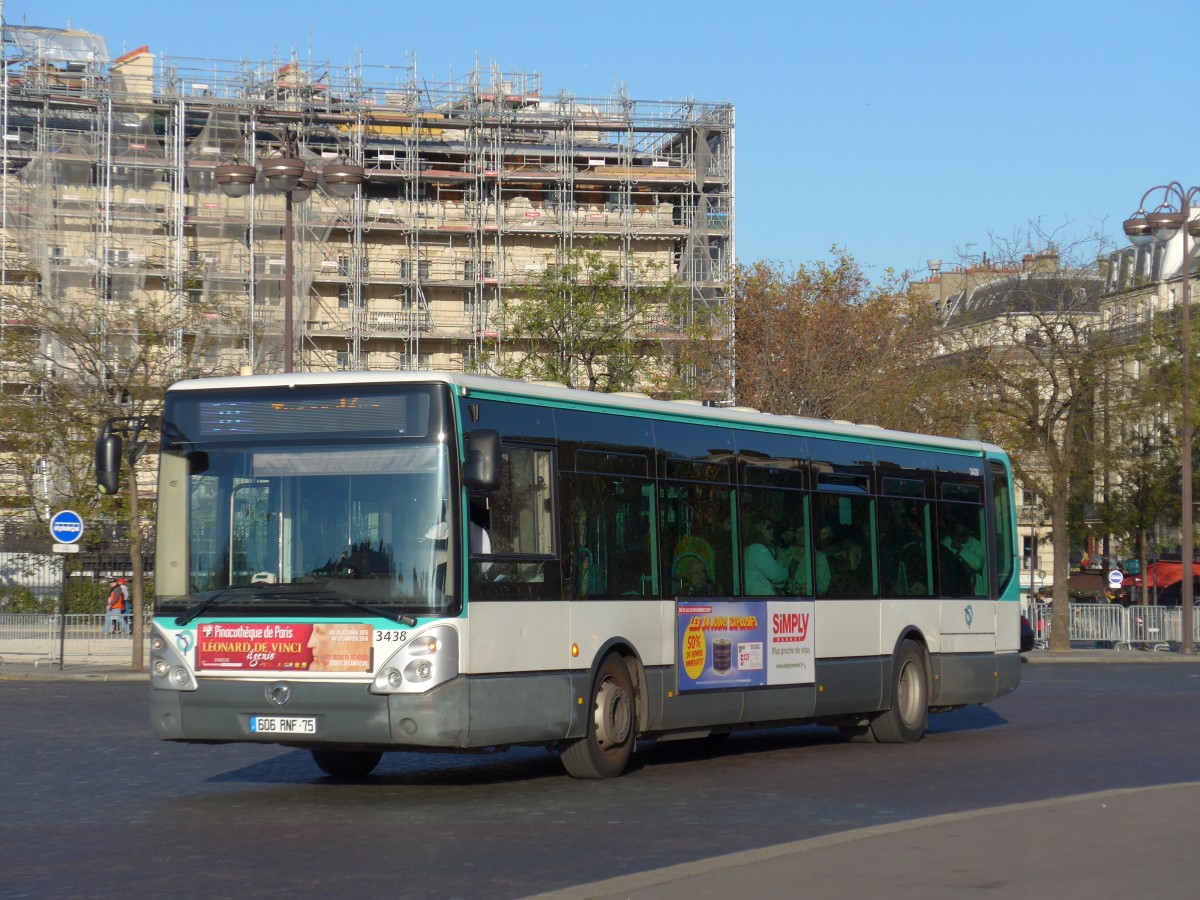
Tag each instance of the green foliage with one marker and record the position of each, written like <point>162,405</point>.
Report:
<point>85,595</point>
<point>580,325</point>
<point>16,598</point>
<point>1147,493</point>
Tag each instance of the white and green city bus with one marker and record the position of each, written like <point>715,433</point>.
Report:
<point>357,563</point>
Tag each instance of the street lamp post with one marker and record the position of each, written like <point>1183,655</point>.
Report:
<point>1174,216</point>
<point>285,172</point>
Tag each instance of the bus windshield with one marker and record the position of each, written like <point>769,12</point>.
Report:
<point>281,520</point>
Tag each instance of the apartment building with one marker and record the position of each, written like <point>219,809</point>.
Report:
<point>473,187</point>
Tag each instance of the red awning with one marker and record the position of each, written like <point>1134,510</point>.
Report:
<point>1163,573</point>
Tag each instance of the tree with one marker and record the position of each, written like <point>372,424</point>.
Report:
<point>1147,493</point>
<point>76,363</point>
<point>1023,348</point>
<point>580,325</point>
<point>697,352</point>
<point>1146,461</point>
<point>823,341</point>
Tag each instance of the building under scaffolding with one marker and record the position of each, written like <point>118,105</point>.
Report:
<point>473,188</point>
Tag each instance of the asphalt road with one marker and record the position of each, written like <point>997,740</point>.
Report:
<point>91,805</point>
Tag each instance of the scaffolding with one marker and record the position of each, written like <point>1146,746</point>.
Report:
<point>474,187</point>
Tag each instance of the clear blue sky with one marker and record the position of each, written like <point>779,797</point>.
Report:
<point>900,131</point>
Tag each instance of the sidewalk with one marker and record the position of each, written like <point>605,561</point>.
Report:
<point>1060,847</point>
<point>90,659</point>
<point>1091,655</point>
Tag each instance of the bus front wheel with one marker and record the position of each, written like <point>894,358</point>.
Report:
<point>346,763</point>
<point>611,729</point>
<point>905,722</point>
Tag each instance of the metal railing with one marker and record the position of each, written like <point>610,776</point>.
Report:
<point>50,638</point>
<point>1115,625</point>
<point>15,626</point>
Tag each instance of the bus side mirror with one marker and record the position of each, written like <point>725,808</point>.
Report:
<point>482,471</point>
<point>108,462</point>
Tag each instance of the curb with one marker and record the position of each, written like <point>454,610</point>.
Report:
<point>79,673</point>
<point>1052,657</point>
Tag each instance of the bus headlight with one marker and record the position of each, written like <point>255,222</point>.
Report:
<point>425,661</point>
<point>169,670</point>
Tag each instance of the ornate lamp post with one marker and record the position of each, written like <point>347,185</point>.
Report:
<point>1171,217</point>
<point>287,173</point>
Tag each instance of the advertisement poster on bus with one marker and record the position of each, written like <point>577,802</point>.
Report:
<point>284,647</point>
<point>744,643</point>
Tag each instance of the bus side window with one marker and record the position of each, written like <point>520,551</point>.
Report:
<point>1005,548</point>
<point>776,555</point>
<point>696,537</point>
<point>962,550</point>
<point>521,521</point>
<point>522,510</point>
<point>606,526</point>
<point>905,558</point>
<point>843,529</point>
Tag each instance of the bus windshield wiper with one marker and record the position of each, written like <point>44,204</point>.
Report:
<point>188,614</point>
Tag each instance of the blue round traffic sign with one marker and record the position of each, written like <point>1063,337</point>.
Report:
<point>66,526</point>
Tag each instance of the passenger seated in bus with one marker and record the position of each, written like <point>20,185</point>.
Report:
<point>964,567</point>
<point>692,569</point>
<point>795,558</point>
<point>764,575</point>
<point>911,576</point>
<point>587,574</point>
<point>852,574</point>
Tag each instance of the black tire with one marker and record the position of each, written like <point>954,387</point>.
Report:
<point>611,729</point>
<point>905,722</point>
<point>346,763</point>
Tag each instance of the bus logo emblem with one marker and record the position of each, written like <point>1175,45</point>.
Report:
<point>279,694</point>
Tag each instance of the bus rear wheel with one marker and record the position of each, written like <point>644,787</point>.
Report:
<point>605,750</point>
<point>905,722</point>
<point>346,763</point>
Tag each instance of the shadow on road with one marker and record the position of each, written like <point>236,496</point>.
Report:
<point>523,764</point>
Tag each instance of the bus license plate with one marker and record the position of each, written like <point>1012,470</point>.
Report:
<point>282,725</point>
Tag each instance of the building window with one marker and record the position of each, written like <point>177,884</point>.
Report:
<point>345,296</point>
<point>422,269</point>
<point>349,266</point>
<point>482,269</point>
<point>119,289</point>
